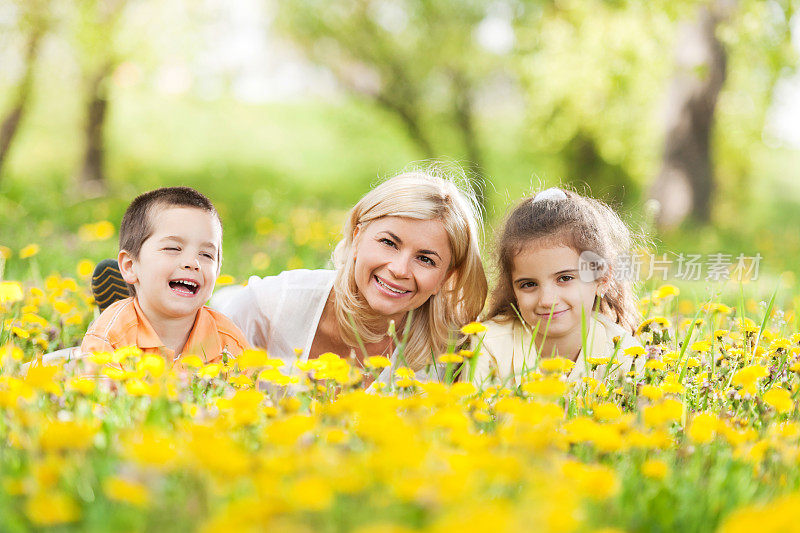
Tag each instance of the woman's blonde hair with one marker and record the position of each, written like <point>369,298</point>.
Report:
<point>419,195</point>
<point>580,222</point>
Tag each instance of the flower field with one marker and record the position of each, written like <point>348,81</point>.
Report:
<point>707,439</point>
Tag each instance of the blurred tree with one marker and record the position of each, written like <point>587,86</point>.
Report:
<point>420,60</point>
<point>96,24</point>
<point>33,22</point>
<point>685,183</point>
<point>602,84</point>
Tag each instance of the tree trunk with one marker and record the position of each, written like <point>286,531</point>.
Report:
<point>685,184</point>
<point>92,176</point>
<point>13,118</point>
<point>463,105</point>
<point>410,120</point>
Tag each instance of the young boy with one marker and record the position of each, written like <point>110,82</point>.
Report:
<point>170,254</point>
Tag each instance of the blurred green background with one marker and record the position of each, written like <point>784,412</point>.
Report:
<point>681,114</point>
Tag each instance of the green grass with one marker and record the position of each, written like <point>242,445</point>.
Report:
<point>269,160</point>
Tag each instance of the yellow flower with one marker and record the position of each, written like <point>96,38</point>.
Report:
<point>463,389</point>
<point>671,386</point>
<point>654,364</point>
<point>29,251</point>
<point>665,291</point>
<point>48,509</point>
<point>240,381</point>
<point>19,332</point>
<point>594,481</point>
<point>192,361</point>
<point>137,387</point>
<point>69,435</point>
<point>99,231</point>
<point>5,252</point>
<point>655,469</point>
<point>448,358</point>
<point>634,351</point>
<point>780,399</point>
<point>377,361</point>
<point>781,344</point>
<point>662,413</point>
<point>556,364</point>
<point>210,371</point>
<point>703,428</point>
<point>660,321</point>
<point>153,364</point>
<point>607,411</point>
<point>84,386</point>
<point>10,351</point>
<point>85,268</point>
<point>551,387</point>
<point>122,490</point>
<point>43,378</point>
<point>250,359</point>
<point>101,358</point>
<point>10,292</point>
<point>115,373</point>
<point>473,328</point>
<point>748,376</point>
<point>225,279</point>
<point>700,346</point>
<point>651,392</point>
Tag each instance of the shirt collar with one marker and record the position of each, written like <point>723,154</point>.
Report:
<point>146,336</point>
<point>204,340</point>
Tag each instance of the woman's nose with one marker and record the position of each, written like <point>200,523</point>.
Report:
<point>399,267</point>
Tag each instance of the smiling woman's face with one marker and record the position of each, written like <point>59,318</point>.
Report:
<point>400,263</point>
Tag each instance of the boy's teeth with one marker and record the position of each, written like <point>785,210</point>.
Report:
<point>186,283</point>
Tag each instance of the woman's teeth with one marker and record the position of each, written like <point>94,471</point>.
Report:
<point>385,286</point>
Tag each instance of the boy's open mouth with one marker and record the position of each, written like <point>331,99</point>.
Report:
<point>184,287</point>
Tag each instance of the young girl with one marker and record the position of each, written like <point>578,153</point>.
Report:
<point>557,282</point>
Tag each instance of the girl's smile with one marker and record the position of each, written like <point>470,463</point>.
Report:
<point>550,293</point>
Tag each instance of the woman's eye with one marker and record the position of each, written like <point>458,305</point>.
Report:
<point>387,242</point>
<point>427,260</point>
<point>173,249</point>
<point>566,277</point>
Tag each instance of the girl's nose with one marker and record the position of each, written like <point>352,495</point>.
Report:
<point>547,296</point>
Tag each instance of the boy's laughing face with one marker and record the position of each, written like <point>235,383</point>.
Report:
<point>178,264</point>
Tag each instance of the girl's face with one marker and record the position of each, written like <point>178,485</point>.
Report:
<point>547,286</point>
<point>400,263</point>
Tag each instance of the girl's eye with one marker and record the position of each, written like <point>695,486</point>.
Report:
<point>566,277</point>
<point>209,256</point>
<point>527,285</point>
<point>173,249</point>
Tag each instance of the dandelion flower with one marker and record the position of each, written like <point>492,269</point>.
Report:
<point>29,251</point>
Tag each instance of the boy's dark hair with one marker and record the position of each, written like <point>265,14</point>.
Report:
<point>136,224</point>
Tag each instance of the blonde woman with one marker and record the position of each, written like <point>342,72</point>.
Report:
<point>409,252</point>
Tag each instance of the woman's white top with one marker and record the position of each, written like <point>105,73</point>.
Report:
<point>509,350</point>
<point>282,313</point>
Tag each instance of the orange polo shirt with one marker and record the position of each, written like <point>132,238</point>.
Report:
<point>124,324</point>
